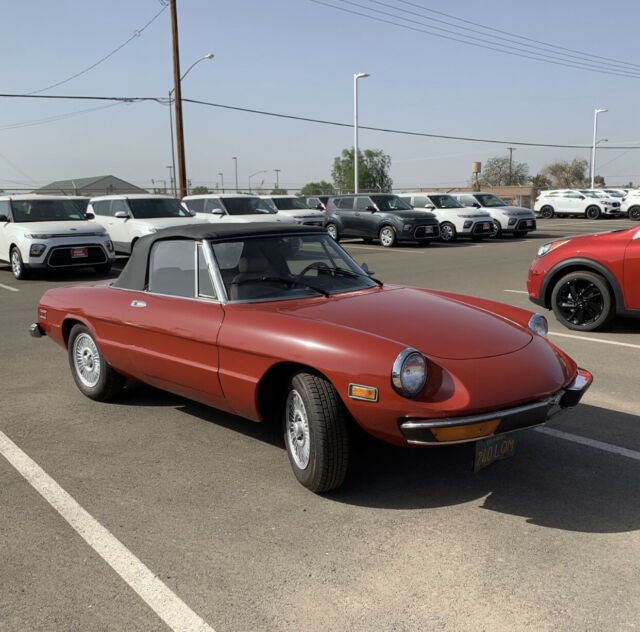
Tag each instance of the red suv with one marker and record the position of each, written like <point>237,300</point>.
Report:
<point>589,279</point>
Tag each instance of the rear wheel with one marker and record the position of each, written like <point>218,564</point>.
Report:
<point>634,213</point>
<point>546,212</point>
<point>387,236</point>
<point>17,265</point>
<point>448,232</point>
<point>91,373</point>
<point>582,300</point>
<point>332,229</point>
<point>315,432</point>
<point>593,212</point>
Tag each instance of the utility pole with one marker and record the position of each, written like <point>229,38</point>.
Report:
<point>510,162</point>
<point>277,180</point>
<point>182,174</point>
<point>235,159</point>
<point>221,179</point>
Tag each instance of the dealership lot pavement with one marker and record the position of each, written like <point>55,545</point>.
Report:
<point>156,513</point>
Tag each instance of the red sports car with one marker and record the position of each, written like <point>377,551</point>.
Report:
<point>589,279</point>
<point>273,321</point>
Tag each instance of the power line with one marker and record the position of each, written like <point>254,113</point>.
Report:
<point>532,55</point>
<point>136,33</point>
<point>165,100</point>
<point>58,117</point>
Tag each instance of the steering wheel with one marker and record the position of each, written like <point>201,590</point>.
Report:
<point>316,265</point>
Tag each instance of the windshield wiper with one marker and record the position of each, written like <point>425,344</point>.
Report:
<point>277,279</point>
<point>345,271</point>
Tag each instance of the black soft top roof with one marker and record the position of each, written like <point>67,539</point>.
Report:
<point>134,274</point>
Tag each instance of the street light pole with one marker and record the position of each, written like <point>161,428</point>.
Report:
<point>602,140</point>
<point>356,76</point>
<point>593,147</point>
<point>255,174</point>
<point>277,179</point>
<point>235,158</point>
<point>221,180</point>
<point>171,178</point>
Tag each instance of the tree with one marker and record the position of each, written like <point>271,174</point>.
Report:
<point>566,175</point>
<point>541,181</point>
<point>373,171</point>
<point>199,191</point>
<point>278,191</point>
<point>598,181</point>
<point>318,188</point>
<point>498,172</point>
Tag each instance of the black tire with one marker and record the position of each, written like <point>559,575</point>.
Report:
<point>634,213</point>
<point>592,212</point>
<point>496,229</point>
<point>448,232</point>
<point>547,212</point>
<point>91,373</point>
<point>17,265</point>
<point>387,236</point>
<point>332,229</point>
<point>315,432</point>
<point>582,301</point>
<point>103,268</point>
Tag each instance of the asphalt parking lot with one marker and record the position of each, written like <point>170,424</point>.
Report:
<point>157,513</point>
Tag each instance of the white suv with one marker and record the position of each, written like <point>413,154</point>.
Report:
<point>129,217</point>
<point>583,202</point>
<point>295,207</point>
<point>630,204</point>
<point>455,220</point>
<point>506,219</point>
<point>50,232</point>
<point>233,207</point>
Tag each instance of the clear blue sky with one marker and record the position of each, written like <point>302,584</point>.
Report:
<point>298,57</point>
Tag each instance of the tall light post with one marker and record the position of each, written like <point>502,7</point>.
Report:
<point>356,76</point>
<point>235,159</point>
<point>171,177</point>
<point>593,147</point>
<point>277,178</point>
<point>602,140</point>
<point>180,134</point>
<point>255,174</point>
<point>221,180</point>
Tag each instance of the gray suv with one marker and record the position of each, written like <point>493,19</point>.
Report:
<point>382,216</point>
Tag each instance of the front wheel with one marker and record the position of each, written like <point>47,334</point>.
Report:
<point>17,265</point>
<point>582,301</point>
<point>593,212</point>
<point>315,432</point>
<point>332,229</point>
<point>387,236</point>
<point>91,373</point>
<point>634,213</point>
<point>496,229</point>
<point>546,212</point>
<point>447,232</point>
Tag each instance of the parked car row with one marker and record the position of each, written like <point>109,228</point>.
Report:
<point>589,203</point>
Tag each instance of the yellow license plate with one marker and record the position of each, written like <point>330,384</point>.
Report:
<point>493,449</point>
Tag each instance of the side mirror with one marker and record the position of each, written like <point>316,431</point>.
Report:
<point>216,211</point>
<point>365,267</point>
<point>371,208</point>
<point>319,206</point>
<point>4,218</point>
<point>430,207</point>
<point>89,215</point>
<point>122,214</point>
<point>476,205</point>
<point>582,197</point>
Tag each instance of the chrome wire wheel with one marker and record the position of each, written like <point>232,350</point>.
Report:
<point>298,434</point>
<point>86,360</point>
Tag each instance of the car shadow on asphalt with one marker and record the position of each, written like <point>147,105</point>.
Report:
<point>550,481</point>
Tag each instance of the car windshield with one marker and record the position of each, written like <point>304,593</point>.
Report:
<point>246,206</point>
<point>289,204</point>
<point>617,194</point>
<point>46,211</point>
<point>445,201</point>
<point>390,203</point>
<point>157,207</point>
<point>489,200</point>
<point>273,268</point>
<point>594,194</point>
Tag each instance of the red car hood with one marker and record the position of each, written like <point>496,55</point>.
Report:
<point>436,326</point>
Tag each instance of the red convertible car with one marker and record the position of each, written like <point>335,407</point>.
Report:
<point>589,279</point>
<point>266,320</point>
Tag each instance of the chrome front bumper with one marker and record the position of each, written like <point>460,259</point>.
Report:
<point>419,432</point>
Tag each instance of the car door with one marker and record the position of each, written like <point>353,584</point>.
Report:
<point>5,226</point>
<point>176,323</point>
<point>365,217</point>
<point>347,216</point>
<point>573,203</point>
<point>631,274</point>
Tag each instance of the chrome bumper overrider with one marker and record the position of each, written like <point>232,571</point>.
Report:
<point>418,432</point>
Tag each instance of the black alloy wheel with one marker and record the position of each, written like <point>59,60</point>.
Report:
<point>593,212</point>
<point>634,213</point>
<point>582,301</point>
<point>546,212</point>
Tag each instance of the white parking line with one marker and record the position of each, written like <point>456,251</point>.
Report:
<point>8,287</point>
<point>602,340</point>
<point>592,443</point>
<point>166,604</point>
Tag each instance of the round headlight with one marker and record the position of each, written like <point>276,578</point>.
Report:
<point>538,325</point>
<point>409,372</point>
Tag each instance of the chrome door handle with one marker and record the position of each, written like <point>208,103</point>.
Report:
<point>138,304</point>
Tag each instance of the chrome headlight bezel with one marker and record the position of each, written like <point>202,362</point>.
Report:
<point>551,245</point>
<point>409,372</point>
<point>538,325</point>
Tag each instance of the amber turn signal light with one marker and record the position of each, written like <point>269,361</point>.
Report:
<point>368,393</point>
<point>468,431</point>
